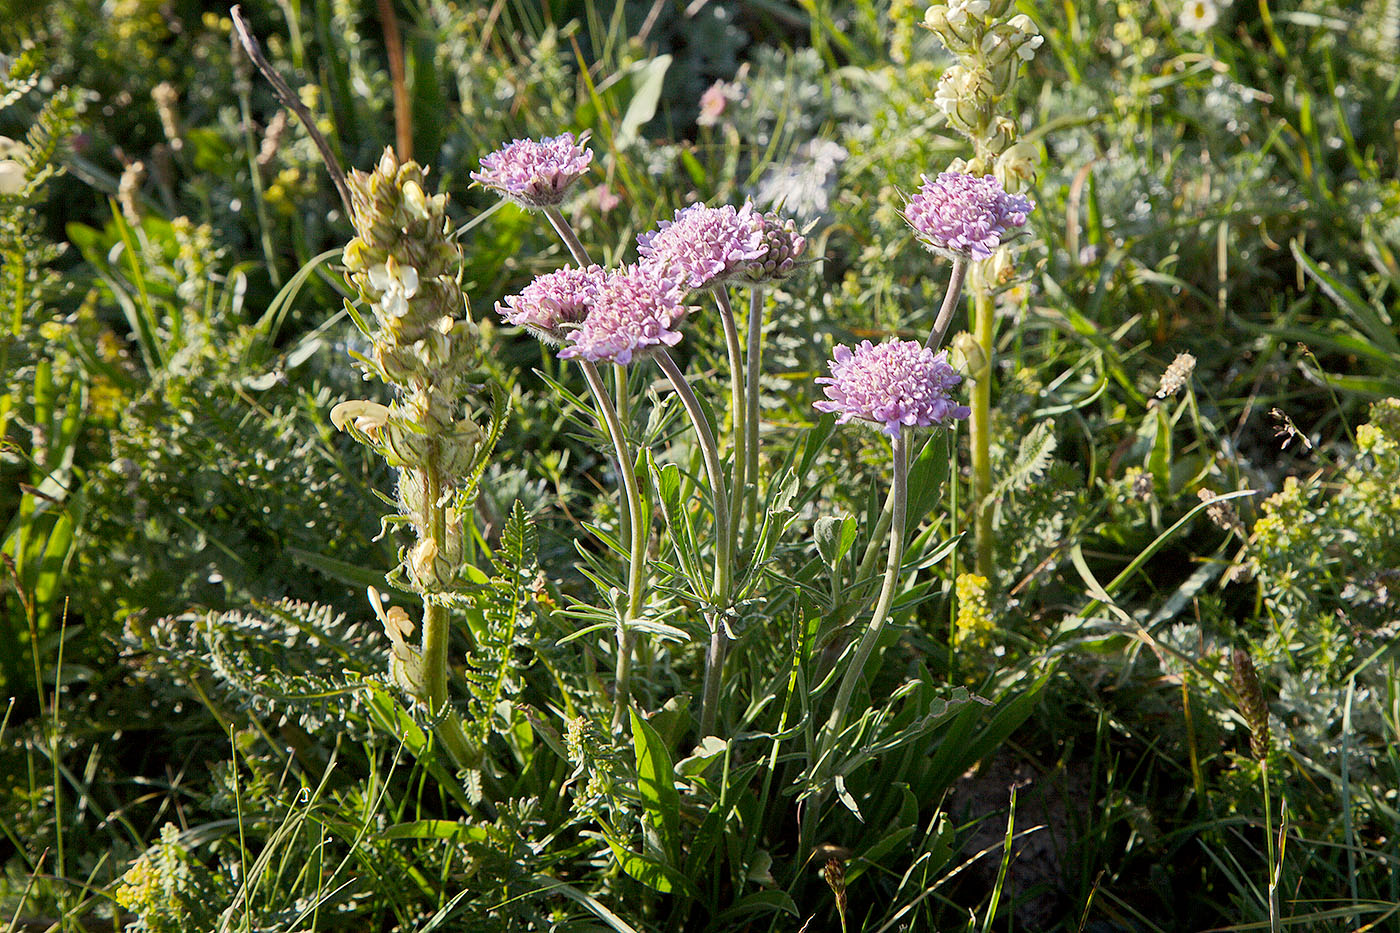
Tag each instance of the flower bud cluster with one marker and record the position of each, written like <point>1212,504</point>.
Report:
<point>990,52</point>
<point>405,264</point>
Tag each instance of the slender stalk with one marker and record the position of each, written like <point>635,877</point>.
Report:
<point>615,415</point>
<point>738,415</point>
<point>1273,869</point>
<point>935,340</point>
<point>292,101</point>
<point>753,362</point>
<point>403,108</point>
<point>435,632</point>
<point>566,233</point>
<point>950,303</point>
<point>981,427</point>
<point>709,450</point>
<point>626,637</point>
<point>855,668</point>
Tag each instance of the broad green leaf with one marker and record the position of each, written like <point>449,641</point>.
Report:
<point>648,81</point>
<point>656,784</point>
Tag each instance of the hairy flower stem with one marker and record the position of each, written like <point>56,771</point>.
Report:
<point>566,233</point>
<point>983,326</point>
<point>950,303</point>
<point>1274,866</point>
<point>855,668</point>
<point>621,402</point>
<point>738,415</point>
<point>626,637</point>
<point>753,361</point>
<point>435,633</point>
<point>724,548</point>
<point>935,340</point>
<point>615,414</point>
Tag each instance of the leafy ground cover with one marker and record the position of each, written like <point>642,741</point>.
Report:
<point>334,600</point>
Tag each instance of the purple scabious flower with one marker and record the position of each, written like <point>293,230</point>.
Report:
<point>554,303</point>
<point>899,382</point>
<point>635,310</point>
<point>965,215</point>
<point>535,174</point>
<point>705,246</point>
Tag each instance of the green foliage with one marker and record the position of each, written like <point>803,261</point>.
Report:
<point>248,763</point>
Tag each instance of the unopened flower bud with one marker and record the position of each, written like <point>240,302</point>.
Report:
<point>415,201</point>
<point>1001,135</point>
<point>1014,167</point>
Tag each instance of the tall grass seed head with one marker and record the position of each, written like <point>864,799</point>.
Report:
<point>896,384</point>
<point>638,309</point>
<point>959,214</point>
<point>705,246</point>
<point>1252,704</point>
<point>535,173</point>
<point>554,303</point>
<point>1176,376</point>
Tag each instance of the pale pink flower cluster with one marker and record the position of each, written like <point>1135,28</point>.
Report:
<point>554,303</point>
<point>535,174</point>
<point>633,310</point>
<point>965,215</point>
<point>896,384</point>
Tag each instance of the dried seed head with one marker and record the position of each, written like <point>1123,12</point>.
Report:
<point>1223,514</point>
<point>1176,375</point>
<point>1253,708</point>
<point>834,873</point>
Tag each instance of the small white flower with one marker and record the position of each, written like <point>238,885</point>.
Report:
<point>1026,50</point>
<point>1199,15</point>
<point>396,284</point>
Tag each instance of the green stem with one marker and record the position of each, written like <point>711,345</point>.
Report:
<point>981,427</point>
<point>855,668</point>
<point>935,340</point>
<point>709,451</point>
<point>1272,872</point>
<point>753,361</point>
<point>435,635</point>
<point>615,415</point>
<point>738,414</point>
<point>566,233</point>
<point>626,637</point>
<point>950,303</point>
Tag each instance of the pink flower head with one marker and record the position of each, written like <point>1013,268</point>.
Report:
<point>965,215</point>
<point>554,303</point>
<point>713,103</point>
<point>535,174</point>
<point>899,382</point>
<point>705,246</point>
<point>634,310</point>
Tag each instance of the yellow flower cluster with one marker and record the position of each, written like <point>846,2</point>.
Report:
<point>974,624</point>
